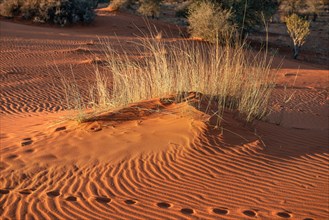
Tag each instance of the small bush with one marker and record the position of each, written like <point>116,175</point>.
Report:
<point>250,15</point>
<point>182,9</point>
<point>10,8</point>
<point>303,8</point>
<point>150,8</point>
<point>120,4</point>
<point>83,11</point>
<point>210,22</point>
<point>60,12</point>
<point>298,30</point>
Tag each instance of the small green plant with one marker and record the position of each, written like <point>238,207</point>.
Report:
<point>150,8</point>
<point>210,22</point>
<point>298,30</point>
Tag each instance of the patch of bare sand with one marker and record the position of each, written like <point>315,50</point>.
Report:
<point>151,161</point>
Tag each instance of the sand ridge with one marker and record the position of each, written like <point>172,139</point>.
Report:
<point>151,160</point>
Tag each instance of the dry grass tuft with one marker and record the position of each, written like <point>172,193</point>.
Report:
<point>229,77</point>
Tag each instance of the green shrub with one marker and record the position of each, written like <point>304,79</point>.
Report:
<point>250,15</point>
<point>298,30</point>
<point>83,11</point>
<point>182,9</point>
<point>150,8</point>
<point>210,22</point>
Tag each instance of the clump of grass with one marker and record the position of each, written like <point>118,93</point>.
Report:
<point>234,78</point>
<point>99,93</point>
<point>72,95</point>
<point>228,77</point>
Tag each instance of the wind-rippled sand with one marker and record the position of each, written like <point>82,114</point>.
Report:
<point>151,160</point>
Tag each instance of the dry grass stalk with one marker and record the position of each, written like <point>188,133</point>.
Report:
<point>230,76</point>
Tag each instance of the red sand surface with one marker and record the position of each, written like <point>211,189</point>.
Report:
<point>161,165</point>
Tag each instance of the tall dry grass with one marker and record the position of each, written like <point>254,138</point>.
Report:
<point>230,76</point>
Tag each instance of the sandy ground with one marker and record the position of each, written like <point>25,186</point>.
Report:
<point>151,160</point>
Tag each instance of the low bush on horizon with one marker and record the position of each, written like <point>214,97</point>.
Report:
<point>231,77</point>
<point>207,18</point>
<point>10,8</point>
<point>304,8</point>
<point>120,4</point>
<point>210,22</point>
<point>150,8</point>
<point>61,12</point>
<point>182,9</point>
<point>249,15</point>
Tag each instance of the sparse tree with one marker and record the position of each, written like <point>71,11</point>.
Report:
<point>298,30</point>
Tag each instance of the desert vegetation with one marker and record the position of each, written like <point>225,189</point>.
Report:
<point>132,117</point>
<point>305,8</point>
<point>221,76</point>
<point>61,12</point>
<point>250,15</point>
<point>120,4</point>
<point>150,8</point>
<point>209,21</point>
<point>298,30</point>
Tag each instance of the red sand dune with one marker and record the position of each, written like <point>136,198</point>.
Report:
<point>138,164</point>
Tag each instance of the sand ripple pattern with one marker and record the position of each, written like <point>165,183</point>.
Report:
<point>216,177</point>
<point>301,108</point>
<point>28,78</point>
<point>30,55</point>
<point>280,173</point>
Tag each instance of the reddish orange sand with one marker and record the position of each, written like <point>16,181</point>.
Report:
<point>163,163</point>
